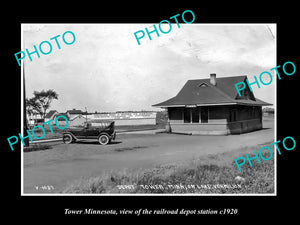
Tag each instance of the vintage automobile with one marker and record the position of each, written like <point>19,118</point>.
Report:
<point>103,131</point>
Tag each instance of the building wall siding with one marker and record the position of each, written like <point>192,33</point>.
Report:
<point>202,129</point>
<point>133,122</point>
<point>79,121</point>
<point>127,119</point>
<point>245,126</point>
<point>222,120</point>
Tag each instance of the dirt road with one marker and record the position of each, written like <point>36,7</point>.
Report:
<point>65,163</point>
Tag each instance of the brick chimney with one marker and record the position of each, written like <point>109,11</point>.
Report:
<point>213,79</point>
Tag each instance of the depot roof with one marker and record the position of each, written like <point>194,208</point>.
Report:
<point>202,92</point>
<point>50,114</point>
<point>74,111</point>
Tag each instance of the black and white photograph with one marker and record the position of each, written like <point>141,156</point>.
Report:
<point>142,109</point>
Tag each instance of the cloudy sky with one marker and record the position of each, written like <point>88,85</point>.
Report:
<point>106,70</point>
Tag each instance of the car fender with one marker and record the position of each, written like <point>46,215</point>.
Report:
<point>105,134</point>
<point>67,132</point>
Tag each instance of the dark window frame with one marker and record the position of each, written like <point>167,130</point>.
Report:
<point>195,113</point>
<point>191,115</point>
<point>186,115</point>
<point>204,114</point>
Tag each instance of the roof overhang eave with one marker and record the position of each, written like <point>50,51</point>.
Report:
<point>254,104</point>
<point>202,104</point>
<point>167,106</point>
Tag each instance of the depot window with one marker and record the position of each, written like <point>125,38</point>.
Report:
<point>191,115</point>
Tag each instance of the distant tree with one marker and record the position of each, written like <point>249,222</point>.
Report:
<point>32,107</point>
<point>41,101</point>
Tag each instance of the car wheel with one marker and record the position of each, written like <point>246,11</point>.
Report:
<point>67,138</point>
<point>103,139</point>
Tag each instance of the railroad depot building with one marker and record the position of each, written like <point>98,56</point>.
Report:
<point>213,107</point>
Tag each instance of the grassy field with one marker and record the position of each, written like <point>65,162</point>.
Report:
<point>57,133</point>
<point>210,174</point>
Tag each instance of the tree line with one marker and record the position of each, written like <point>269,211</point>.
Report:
<point>40,102</point>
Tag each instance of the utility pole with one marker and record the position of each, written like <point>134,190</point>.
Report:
<point>86,115</point>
